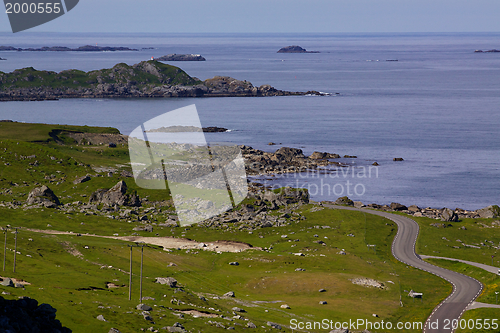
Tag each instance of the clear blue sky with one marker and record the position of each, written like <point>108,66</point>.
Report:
<point>276,16</point>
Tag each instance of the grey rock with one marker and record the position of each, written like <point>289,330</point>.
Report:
<point>42,195</point>
<point>340,331</point>
<point>81,180</point>
<point>448,215</point>
<point>170,281</point>
<point>274,325</point>
<point>323,302</point>
<point>229,294</point>
<point>489,212</point>
<point>117,195</point>
<point>144,307</point>
<point>113,330</point>
<point>234,263</point>
<point>7,282</point>
<point>101,318</point>
<point>251,325</point>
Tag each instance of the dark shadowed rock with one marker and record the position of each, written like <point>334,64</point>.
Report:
<point>43,195</point>
<point>398,159</point>
<point>24,315</point>
<point>398,207</point>
<point>294,49</point>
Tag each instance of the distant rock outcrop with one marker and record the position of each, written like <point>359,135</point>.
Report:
<point>181,57</point>
<point>43,195</point>
<point>294,49</point>
<point>148,79</point>
<point>117,195</point>
<point>85,48</point>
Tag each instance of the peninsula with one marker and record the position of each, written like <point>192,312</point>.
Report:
<point>146,79</point>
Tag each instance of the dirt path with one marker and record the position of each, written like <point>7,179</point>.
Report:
<point>167,242</point>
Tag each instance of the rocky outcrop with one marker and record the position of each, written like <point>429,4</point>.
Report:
<point>284,160</point>
<point>489,212</point>
<point>181,57</point>
<point>25,315</point>
<point>148,79</point>
<point>294,49</point>
<point>44,196</point>
<point>487,51</point>
<point>117,195</point>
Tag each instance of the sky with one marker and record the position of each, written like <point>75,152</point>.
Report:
<point>275,16</point>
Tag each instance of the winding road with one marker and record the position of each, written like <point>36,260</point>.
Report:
<point>465,288</point>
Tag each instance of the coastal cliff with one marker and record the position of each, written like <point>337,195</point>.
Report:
<point>146,79</point>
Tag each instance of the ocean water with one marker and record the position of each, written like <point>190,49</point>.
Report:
<point>437,106</point>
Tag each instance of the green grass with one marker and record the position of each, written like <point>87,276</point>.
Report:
<point>76,286</point>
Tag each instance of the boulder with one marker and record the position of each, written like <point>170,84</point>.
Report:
<point>398,207</point>
<point>113,330</point>
<point>7,283</point>
<point>144,307</point>
<point>43,195</point>
<point>447,215</point>
<point>117,195</point>
<point>101,318</point>
<point>81,180</point>
<point>229,294</point>
<point>287,154</point>
<point>170,281</point>
<point>489,212</point>
<point>398,159</point>
<point>342,330</point>
<point>344,201</point>
<point>414,209</point>
<point>274,325</point>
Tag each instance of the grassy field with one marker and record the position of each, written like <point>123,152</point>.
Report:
<point>72,272</point>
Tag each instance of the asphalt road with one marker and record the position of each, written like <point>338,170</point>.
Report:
<point>465,288</point>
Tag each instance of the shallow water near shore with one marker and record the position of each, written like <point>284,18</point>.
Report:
<point>436,107</point>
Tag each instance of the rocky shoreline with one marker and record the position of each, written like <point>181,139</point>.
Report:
<point>148,79</point>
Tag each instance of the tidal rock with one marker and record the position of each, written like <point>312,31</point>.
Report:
<point>43,195</point>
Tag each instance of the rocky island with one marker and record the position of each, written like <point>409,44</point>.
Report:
<point>181,57</point>
<point>85,48</point>
<point>180,129</point>
<point>487,51</point>
<point>147,79</point>
<point>295,49</point>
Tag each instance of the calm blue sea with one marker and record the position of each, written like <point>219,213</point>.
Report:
<point>437,106</point>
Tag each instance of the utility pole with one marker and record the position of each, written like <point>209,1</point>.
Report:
<point>142,260</point>
<point>130,277</point>
<point>4,247</point>
<point>15,251</point>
